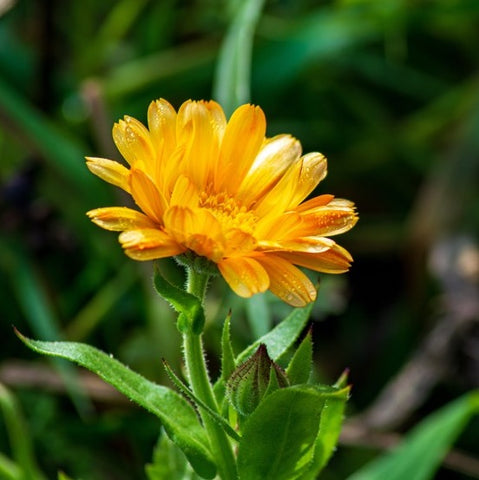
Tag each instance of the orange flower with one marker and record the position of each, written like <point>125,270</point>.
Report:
<point>225,192</point>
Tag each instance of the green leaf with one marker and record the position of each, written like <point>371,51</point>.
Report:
<point>422,450</point>
<point>169,463</point>
<point>213,415</point>
<point>177,416</point>
<point>332,418</point>
<point>278,438</point>
<point>232,79</point>
<point>227,356</point>
<point>300,366</point>
<point>192,316</point>
<point>282,336</point>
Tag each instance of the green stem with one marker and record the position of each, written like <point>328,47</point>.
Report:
<point>200,384</point>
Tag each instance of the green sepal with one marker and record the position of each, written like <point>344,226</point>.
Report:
<point>300,366</point>
<point>199,264</point>
<point>253,380</point>
<point>342,381</point>
<point>227,356</point>
<point>277,379</point>
<point>177,416</point>
<point>192,315</point>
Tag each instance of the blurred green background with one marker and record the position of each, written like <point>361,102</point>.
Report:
<point>387,90</point>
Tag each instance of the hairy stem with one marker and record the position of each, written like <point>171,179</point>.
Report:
<point>200,384</point>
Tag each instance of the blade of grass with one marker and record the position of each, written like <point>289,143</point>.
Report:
<point>138,74</point>
<point>62,152</point>
<point>421,452</point>
<point>20,440</point>
<point>233,72</point>
<point>321,35</point>
<point>92,313</point>
<point>39,313</point>
<point>120,19</point>
<point>8,469</point>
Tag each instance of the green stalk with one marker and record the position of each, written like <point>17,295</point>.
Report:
<point>201,386</point>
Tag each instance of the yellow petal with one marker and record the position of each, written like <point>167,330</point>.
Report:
<point>297,183</point>
<point>303,244</point>
<point>133,141</point>
<point>185,193</point>
<point>314,169</point>
<point>196,229</point>
<point>288,282</point>
<point>239,242</point>
<point>148,244</point>
<point>244,275</point>
<point>110,171</point>
<point>334,260</point>
<point>242,140</point>
<point>197,132</point>
<point>315,202</point>
<point>327,221</point>
<point>275,156</point>
<point>162,126</point>
<point>272,227</point>
<point>120,218</point>
<point>147,196</point>
<point>217,118</point>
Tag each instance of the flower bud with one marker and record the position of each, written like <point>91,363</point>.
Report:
<point>254,379</point>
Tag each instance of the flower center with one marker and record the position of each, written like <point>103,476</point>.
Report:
<point>228,211</point>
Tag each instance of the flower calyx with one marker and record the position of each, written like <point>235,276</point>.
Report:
<point>253,380</point>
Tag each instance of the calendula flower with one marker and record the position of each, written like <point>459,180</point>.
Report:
<point>224,191</point>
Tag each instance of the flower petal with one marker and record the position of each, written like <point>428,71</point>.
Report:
<point>288,282</point>
<point>275,156</point>
<point>148,244</point>
<point>244,275</point>
<point>162,126</point>
<point>303,244</point>
<point>147,196</point>
<point>198,133</point>
<point>335,260</point>
<point>296,184</point>
<point>314,169</point>
<point>110,171</point>
<point>315,202</point>
<point>272,227</point>
<point>196,229</point>
<point>120,218</point>
<point>239,242</point>
<point>327,221</point>
<point>242,140</point>
<point>185,193</point>
<point>133,141</point>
